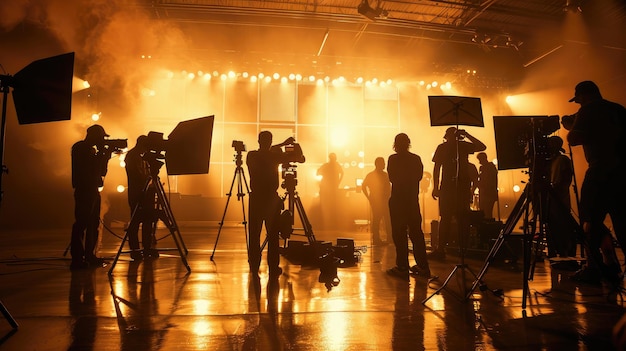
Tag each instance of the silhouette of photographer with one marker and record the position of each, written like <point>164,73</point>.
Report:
<point>142,200</point>
<point>90,159</point>
<point>599,126</point>
<point>452,184</point>
<point>265,204</point>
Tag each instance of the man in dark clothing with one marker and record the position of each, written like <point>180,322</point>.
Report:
<point>377,189</point>
<point>90,160</point>
<point>265,204</point>
<point>405,172</point>
<point>142,203</point>
<point>599,127</point>
<point>487,185</point>
<point>452,184</point>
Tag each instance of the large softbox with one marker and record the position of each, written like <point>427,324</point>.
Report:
<point>42,91</point>
<point>515,136</point>
<point>189,147</point>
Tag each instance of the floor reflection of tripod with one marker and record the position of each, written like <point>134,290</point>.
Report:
<point>165,214</point>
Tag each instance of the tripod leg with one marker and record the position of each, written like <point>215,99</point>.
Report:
<point>8,316</point>
<point>514,217</point>
<point>119,251</point>
<point>171,223</point>
<point>308,229</point>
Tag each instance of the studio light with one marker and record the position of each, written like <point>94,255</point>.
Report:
<point>366,10</point>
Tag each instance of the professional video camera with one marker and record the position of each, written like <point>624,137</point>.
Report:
<point>523,140</point>
<point>115,145</point>
<point>239,146</point>
<point>293,154</point>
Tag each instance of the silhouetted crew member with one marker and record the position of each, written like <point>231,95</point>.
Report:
<point>142,204</point>
<point>405,172</point>
<point>561,236</point>
<point>452,184</point>
<point>265,204</point>
<point>377,189</point>
<point>332,174</point>
<point>487,185</point>
<point>599,128</point>
<point>89,166</point>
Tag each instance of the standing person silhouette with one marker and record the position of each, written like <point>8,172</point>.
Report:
<point>452,185</point>
<point>487,185</point>
<point>90,160</point>
<point>142,204</point>
<point>600,127</point>
<point>265,204</point>
<point>561,236</point>
<point>405,172</point>
<point>332,175</point>
<point>377,189</point>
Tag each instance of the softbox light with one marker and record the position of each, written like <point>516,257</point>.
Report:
<point>42,91</point>
<point>189,147</point>
<point>514,137</point>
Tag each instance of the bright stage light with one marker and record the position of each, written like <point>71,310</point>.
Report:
<point>121,188</point>
<point>96,116</point>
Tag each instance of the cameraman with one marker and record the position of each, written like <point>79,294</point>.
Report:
<point>141,200</point>
<point>599,127</point>
<point>90,159</point>
<point>265,204</point>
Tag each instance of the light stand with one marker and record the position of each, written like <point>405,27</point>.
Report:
<point>455,110</point>
<point>42,92</point>
<point>240,177</point>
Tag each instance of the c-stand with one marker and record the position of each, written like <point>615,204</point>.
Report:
<point>240,177</point>
<point>162,206</point>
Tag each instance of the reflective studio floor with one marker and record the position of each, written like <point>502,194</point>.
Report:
<point>158,305</point>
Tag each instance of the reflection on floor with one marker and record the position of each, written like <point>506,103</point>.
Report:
<point>158,305</point>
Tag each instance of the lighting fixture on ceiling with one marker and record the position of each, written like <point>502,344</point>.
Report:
<point>366,10</point>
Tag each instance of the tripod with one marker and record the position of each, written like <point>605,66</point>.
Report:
<point>240,177</point>
<point>294,204</point>
<point>166,215</point>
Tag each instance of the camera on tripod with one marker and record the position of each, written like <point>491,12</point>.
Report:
<point>239,146</point>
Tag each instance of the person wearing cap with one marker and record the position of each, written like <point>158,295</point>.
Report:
<point>599,127</point>
<point>89,166</point>
<point>452,185</point>
<point>405,171</point>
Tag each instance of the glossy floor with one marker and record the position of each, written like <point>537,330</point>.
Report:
<point>159,305</point>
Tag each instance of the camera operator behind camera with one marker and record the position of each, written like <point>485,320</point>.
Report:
<point>90,159</point>
<point>599,127</point>
<point>265,204</point>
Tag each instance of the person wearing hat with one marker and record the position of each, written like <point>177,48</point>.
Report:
<point>599,127</point>
<point>89,166</point>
